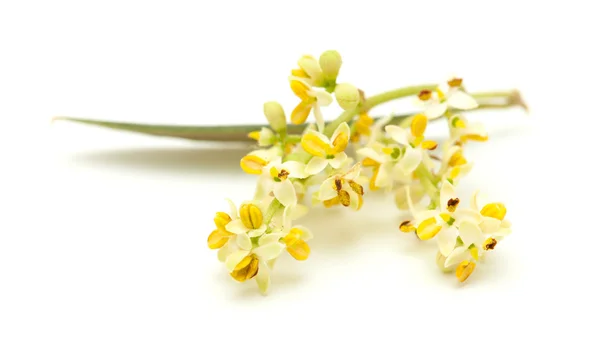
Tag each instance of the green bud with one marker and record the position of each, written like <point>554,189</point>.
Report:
<point>275,115</point>
<point>347,96</point>
<point>330,62</point>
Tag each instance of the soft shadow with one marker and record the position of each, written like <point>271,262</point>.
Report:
<point>182,160</point>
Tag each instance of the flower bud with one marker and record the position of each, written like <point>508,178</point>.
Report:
<point>275,115</point>
<point>347,96</point>
<point>330,62</point>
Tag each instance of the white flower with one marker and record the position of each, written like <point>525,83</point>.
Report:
<point>295,237</point>
<point>386,162</point>
<point>310,99</point>
<point>250,220</point>
<point>276,178</point>
<point>247,259</point>
<point>255,161</point>
<point>493,214</point>
<point>462,131</point>
<point>446,95</point>
<point>343,189</point>
<point>326,151</point>
<point>412,141</point>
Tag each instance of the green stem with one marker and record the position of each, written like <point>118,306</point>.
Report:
<point>373,101</point>
<point>271,210</point>
<point>428,182</point>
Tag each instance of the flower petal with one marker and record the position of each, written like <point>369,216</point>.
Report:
<point>265,239</point>
<point>326,190</point>
<point>263,277</point>
<point>446,239</point>
<point>232,209</point>
<point>295,168</point>
<point>285,192</point>
<point>435,109</point>
<point>447,192</point>
<point>269,251</point>
<point>410,160</point>
<point>235,258</point>
<point>338,160</point>
<point>257,232</point>
<point>224,252</point>
<point>316,165</point>
<point>236,226</point>
<point>470,234</point>
<point>462,101</point>
<point>399,134</point>
<point>458,255</point>
<point>243,241</point>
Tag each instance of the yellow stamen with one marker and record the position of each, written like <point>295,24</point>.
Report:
<point>255,135</point>
<point>296,247</point>
<point>440,94</point>
<point>429,145</point>
<point>299,73</point>
<point>464,270</point>
<point>339,144</point>
<point>457,159</point>
<point>494,210</point>
<point>252,164</point>
<point>454,173</point>
<point>406,227</point>
<point>417,141</point>
<point>216,239</point>
<point>331,202</point>
<point>301,112</point>
<point>474,137</point>
<point>360,202</point>
<point>445,217</point>
<point>425,95</point>
<point>300,89</point>
<point>251,216</point>
<point>455,82</point>
<point>458,123</point>
<point>490,244</point>
<point>452,204</point>
<point>372,185</point>
<point>313,145</point>
<point>418,125</point>
<point>428,229</point>
<point>358,189</point>
<point>369,162</point>
<point>474,251</point>
<point>221,220</point>
<point>246,269</point>
<point>344,198</point>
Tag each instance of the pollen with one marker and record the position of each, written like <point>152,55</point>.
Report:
<point>357,188</point>
<point>217,239</point>
<point>494,210</point>
<point>339,144</point>
<point>255,135</point>
<point>251,216</point>
<point>369,162</point>
<point>425,95</point>
<point>406,227</point>
<point>455,82</point>
<point>299,73</point>
<point>429,145</point>
<point>246,269</point>
<point>313,145</point>
<point>428,229</point>
<point>490,244</point>
<point>464,270</point>
<point>344,198</point>
<point>457,159</point>
<point>452,204</point>
<point>300,90</point>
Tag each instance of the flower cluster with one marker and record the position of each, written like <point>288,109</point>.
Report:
<point>391,155</point>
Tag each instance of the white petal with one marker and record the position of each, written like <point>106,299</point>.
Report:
<point>236,226</point>
<point>354,200</point>
<point>367,152</point>
<point>354,171</point>
<point>338,160</point>
<point>257,232</point>
<point>224,252</point>
<point>470,215</point>
<point>490,225</point>
<point>342,128</point>
<point>269,251</point>
<point>426,214</point>
<point>243,241</point>
<point>476,128</point>
<point>399,134</point>
<point>315,165</point>
<point>295,168</point>
<point>323,98</point>
<point>458,255</point>
<point>232,209</point>
<point>475,201</point>
<point>470,234</point>
<point>435,109</point>
<point>306,233</point>
<point>285,193</point>
<point>298,211</point>
<point>410,160</point>
<point>383,178</point>
<point>263,278</point>
<point>446,193</point>
<point>287,217</point>
<point>234,258</point>
<point>319,118</point>
<point>462,101</point>
<point>326,190</point>
<point>446,239</point>
<point>265,239</point>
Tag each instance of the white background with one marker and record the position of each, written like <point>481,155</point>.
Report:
<point>103,253</point>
